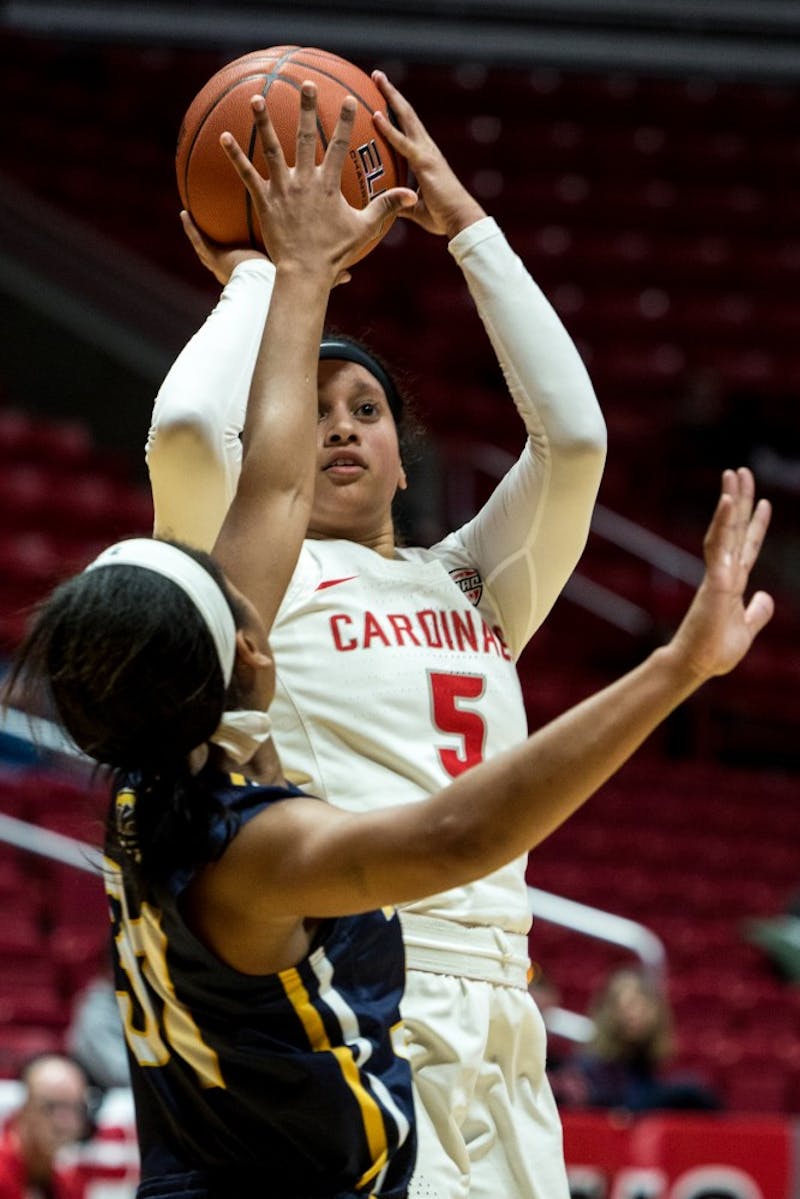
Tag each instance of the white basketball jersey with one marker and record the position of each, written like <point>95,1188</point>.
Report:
<point>393,677</point>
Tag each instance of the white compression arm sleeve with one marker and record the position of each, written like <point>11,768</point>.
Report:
<point>193,451</point>
<point>529,536</point>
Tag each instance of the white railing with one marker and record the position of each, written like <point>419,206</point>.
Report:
<point>604,926</point>
<point>48,844</point>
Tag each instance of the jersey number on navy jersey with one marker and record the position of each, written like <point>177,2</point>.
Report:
<point>153,1017</point>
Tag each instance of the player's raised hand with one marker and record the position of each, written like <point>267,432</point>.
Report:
<point>443,205</point>
<point>305,220</point>
<point>220,260</point>
<point>720,626</point>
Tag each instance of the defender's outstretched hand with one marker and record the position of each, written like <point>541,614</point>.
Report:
<point>719,628</point>
<point>303,215</point>
<point>444,205</point>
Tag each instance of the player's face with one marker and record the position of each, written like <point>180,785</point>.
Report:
<point>358,456</point>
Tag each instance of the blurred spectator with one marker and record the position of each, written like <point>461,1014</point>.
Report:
<point>95,1037</point>
<point>53,1115</point>
<point>623,1066</point>
<point>547,998</point>
<point>563,1027</point>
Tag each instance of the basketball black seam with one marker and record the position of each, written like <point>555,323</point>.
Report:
<point>199,129</point>
<point>268,82</point>
<point>329,75</point>
<point>274,77</point>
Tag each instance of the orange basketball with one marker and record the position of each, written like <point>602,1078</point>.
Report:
<point>210,188</point>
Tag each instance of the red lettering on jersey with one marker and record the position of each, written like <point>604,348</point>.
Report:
<point>446,630</point>
<point>465,631</point>
<point>402,627</point>
<point>335,621</point>
<point>490,642</point>
<point>504,650</point>
<point>372,630</point>
<point>456,630</point>
<point>432,635</point>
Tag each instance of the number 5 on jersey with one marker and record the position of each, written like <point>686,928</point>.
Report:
<point>449,695</point>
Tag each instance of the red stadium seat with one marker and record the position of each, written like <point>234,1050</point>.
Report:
<point>19,1043</point>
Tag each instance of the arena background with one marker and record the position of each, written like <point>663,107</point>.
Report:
<point>644,159</point>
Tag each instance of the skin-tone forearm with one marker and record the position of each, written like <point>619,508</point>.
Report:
<point>507,806</point>
<point>307,857</point>
<point>514,803</point>
<point>286,372</point>
<point>325,862</point>
<point>277,479</point>
<point>311,857</point>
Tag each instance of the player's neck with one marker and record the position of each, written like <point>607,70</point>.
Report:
<point>264,766</point>
<point>382,540</point>
<point>382,543</point>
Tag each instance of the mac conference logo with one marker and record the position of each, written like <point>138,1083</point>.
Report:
<point>470,582</point>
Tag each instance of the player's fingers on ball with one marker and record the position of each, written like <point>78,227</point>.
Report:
<point>416,211</point>
<point>198,243</point>
<point>270,144</point>
<point>395,98</point>
<point>391,203</point>
<point>307,127</point>
<point>190,229</point>
<point>394,136</point>
<point>382,210</point>
<point>342,136</point>
<point>241,163</point>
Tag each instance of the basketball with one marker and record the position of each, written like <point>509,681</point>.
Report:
<point>209,188</point>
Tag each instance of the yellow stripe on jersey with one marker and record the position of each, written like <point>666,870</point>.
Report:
<point>179,1024</point>
<point>371,1115</point>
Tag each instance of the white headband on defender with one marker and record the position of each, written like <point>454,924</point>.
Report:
<point>193,579</point>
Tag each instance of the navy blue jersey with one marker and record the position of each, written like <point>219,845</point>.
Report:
<point>287,1084</point>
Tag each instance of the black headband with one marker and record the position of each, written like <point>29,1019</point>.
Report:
<point>340,347</point>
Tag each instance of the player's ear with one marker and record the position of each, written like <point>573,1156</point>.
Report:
<point>402,480</point>
<point>249,653</point>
